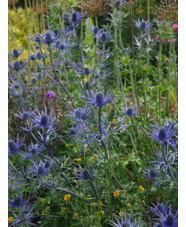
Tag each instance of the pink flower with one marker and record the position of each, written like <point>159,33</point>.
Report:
<point>159,40</point>
<point>163,40</point>
<point>112,124</point>
<point>167,60</point>
<point>157,37</point>
<point>174,40</point>
<point>101,52</point>
<point>175,27</point>
<point>50,94</point>
<point>168,40</point>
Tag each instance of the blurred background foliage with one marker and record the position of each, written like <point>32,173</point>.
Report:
<point>27,17</point>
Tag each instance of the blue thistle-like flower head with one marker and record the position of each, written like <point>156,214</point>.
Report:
<point>143,25</point>
<point>24,114</point>
<point>124,222</point>
<point>43,120</point>
<point>17,65</point>
<point>80,114</point>
<point>104,36</point>
<point>161,134</point>
<point>130,111</point>
<point>49,37</point>
<point>41,169</point>
<point>75,17</point>
<point>14,147</point>
<point>32,150</point>
<point>118,4</point>
<point>151,173</point>
<point>83,174</point>
<point>16,53</point>
<point>98,99</point>
<point>18,201</point>
<point>37,38</point>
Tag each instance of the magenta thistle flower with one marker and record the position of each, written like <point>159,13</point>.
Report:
<point>167,59</point>
<point>50,94</point>
<point>175,27</point>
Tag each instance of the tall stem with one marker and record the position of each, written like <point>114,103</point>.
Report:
<point>168,76</point>
<point>56,74</point>
<point>159,80</point>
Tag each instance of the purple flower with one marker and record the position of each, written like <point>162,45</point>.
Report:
<point>101,52</point>
<point>50,94</point>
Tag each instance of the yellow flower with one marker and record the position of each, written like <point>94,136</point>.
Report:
<point>10,219</point>
<point>128,204</point>
<point>67,197</point>
<point>121,213</point>
<point>101,204</point>
<point>123,191</point>
<point>85,79</point>
<point>96,155</point>
<point>102,212</point>
<point>75,214</point>
<point>89,196</point>
<point>78,159</point>
<point>116,193</point>
<point>141,188</point>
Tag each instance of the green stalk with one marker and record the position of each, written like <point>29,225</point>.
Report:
<point>82,157</point>
<point>132,84</point>
<point>148,34</point>
<point>37,23</point>
<point>110,176</point>
<point>15,17</point>
<point>11,28</point>
<point>175,73</point>
<point>168,76</point>
<point>159,80</point>
<point>96,20</point>
<point>28,40</point>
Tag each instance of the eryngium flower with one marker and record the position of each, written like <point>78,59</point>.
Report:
<point>162,135</point>
<point>36,56</point>
<point>16,53</point>
<point>80,114</point>
<point>99,99</point>
<point>41,169</point>
<point>95,29</point>
<point>118,3</point>
<point>130,111</point>
<point>104,36</point>
<point>83,174</point>
<point>33,149</point>
<point>143,25</point>
<point>14,147</point>
<point>151,173</point>
<point>160,208</point>
<point>37,38</point>
<point>168,218</point>
<point>18,201</point>
<point>24,115</point>
<point>43,120</point>
<point>124,222</point>
<point>49,37</point>
<point>75,17</point>
<point>17,65</point>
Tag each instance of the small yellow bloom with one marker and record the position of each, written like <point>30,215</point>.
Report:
<point>101,204</point>
<point>116,193</point>
<point>96,155</point>
<point>121,213</point>
<point>10,219</point>
<point>128,204</point>
<point>75,214</point>
<point>123,191</point>
<point>89,196</point>
<point>141,188</point>
<point>78,159</point>
<point>93,204</point>
<point>85,79</point>
<point>102,212</point>
<point>67,197</point>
